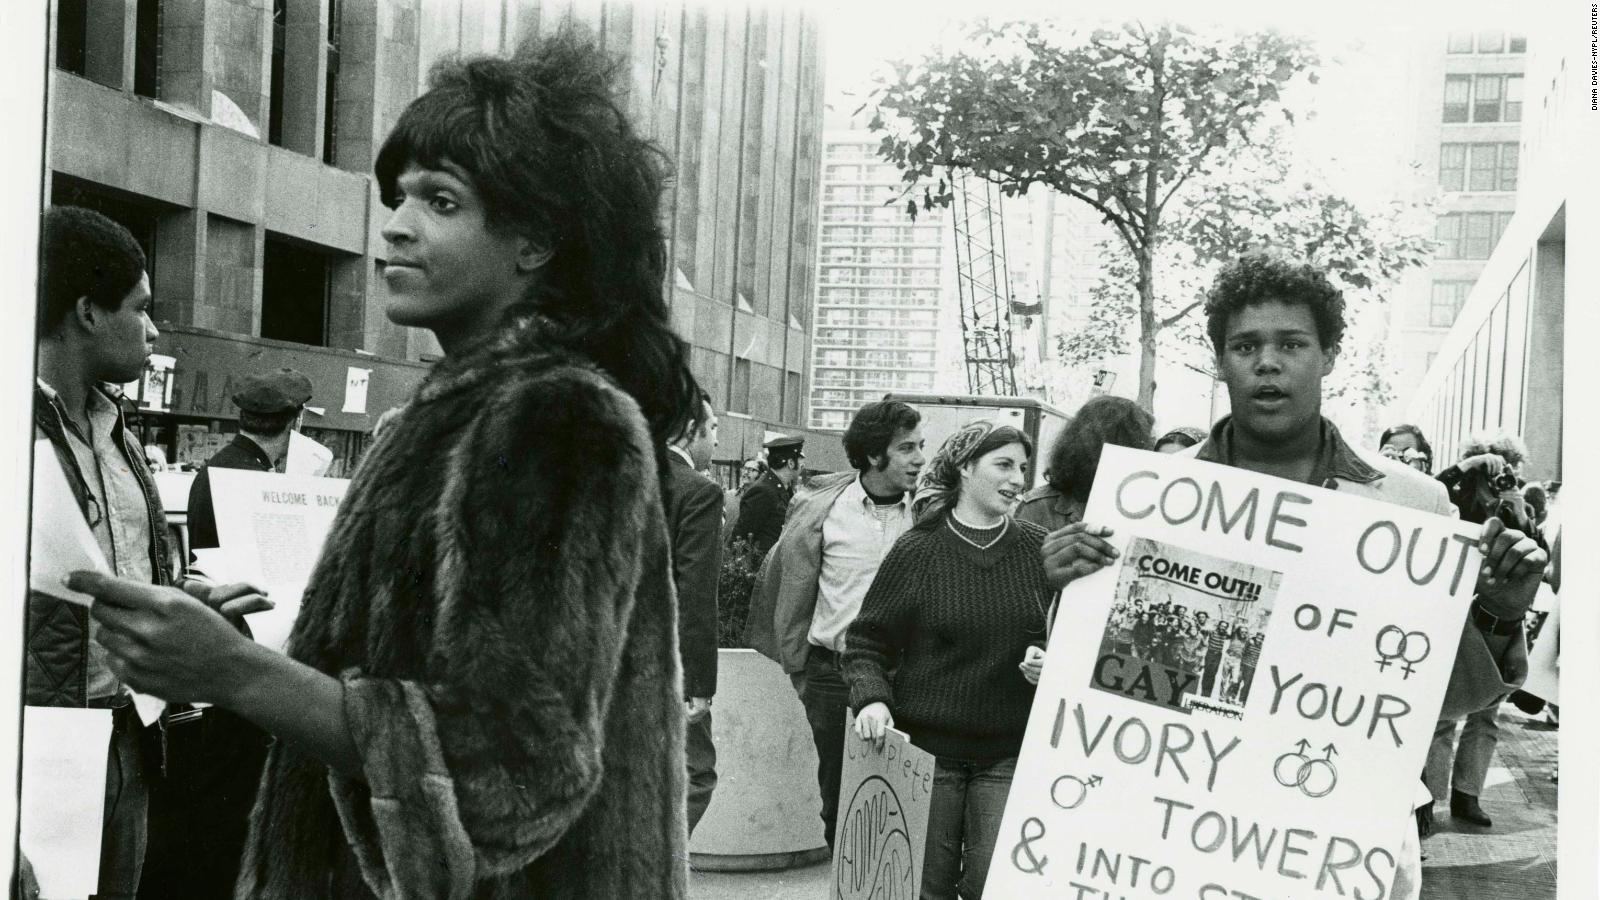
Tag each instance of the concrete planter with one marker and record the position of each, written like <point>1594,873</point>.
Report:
<point>765,811</point>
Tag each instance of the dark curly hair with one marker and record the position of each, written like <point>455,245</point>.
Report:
<point>873,427</point>
<point>84,254</point>
<point>1103,420</point>
<point>543,140</point>
<point>1259,277</point>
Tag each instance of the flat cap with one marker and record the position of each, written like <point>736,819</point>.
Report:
<point>273,392</point>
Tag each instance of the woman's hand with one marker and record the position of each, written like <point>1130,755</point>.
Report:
<point>1032,663</point>
<point>873,723</point>
<point>1076,550</point>
<point>162,641</point>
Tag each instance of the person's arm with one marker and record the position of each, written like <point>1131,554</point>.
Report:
<point>874,641</point>
<point>696,565</point>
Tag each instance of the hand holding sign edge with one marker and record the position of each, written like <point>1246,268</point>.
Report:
<point>1513,563</point>
<point>1076,550</point>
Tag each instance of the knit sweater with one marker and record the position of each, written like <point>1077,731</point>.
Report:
<point>952,622</point>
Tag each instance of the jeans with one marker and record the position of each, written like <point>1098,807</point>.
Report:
<point>123,836</point>
<point>964,815</point>
<point>1471,755</point>
<point>702,759</point>
<point>824,695</point>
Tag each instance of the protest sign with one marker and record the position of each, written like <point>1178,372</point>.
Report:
<point>63,796</point>
<point>270,529</point>
<point>1240,705</point>
<point>883,818</point>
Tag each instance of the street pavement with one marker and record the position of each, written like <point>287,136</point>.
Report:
<point>1515,859</point>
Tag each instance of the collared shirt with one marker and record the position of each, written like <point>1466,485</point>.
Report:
<point>1335,460</point>
<point>122,529</point>
<point>683,455</point>
<point>856,536</point>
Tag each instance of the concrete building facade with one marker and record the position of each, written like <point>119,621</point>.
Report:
<point>236,138</point>
<point>878,286</point>
<point>1469,112</point>
<point>1500,365</point>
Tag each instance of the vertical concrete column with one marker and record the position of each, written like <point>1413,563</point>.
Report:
<point>232,298</point>
<point>1541,429</point>
<point>186,32</point>
<point>180,265</point>
<point>305,75</point>
<point>347,301</point>
<point>108,50</point>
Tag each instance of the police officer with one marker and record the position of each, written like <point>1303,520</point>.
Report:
<point>762,508</point>
<point>270,405</point>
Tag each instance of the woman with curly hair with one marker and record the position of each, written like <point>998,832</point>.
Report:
<point>480,697</point>
<point>957,601</point>
<point>1076,456</point>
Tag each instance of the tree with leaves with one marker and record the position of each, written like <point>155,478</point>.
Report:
<point>1121,120</point>
<point>1262,197</point>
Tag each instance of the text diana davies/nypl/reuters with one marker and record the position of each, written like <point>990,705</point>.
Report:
<point>1241,706</point>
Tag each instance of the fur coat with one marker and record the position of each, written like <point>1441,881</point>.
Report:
<point>496,596</point>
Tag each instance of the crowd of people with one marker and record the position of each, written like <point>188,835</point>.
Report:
<point>500,683</point>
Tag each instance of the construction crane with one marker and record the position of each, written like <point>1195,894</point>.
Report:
<point>983,286</point>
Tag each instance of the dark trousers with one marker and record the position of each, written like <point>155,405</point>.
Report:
<point>200,807</point>
<point>826,698</point>
<point>123,836</point>
<point>702,758</point>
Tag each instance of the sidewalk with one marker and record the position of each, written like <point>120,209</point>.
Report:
<point>1514,860</point>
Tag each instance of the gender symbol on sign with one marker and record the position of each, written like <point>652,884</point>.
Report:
<point>874,849</point>
<point>1395,643</point>
<point>1314,777</point>
<point>1076,790</point>
<point>1025,848</point>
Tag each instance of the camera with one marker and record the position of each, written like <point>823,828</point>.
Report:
<point>1505,481</point>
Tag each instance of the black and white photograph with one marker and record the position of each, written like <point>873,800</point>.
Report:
<point>489,448</point>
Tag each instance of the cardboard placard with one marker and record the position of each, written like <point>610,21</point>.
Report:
<point>883,818</point>
<point>1270,747</point>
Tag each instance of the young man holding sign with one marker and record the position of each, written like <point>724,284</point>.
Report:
<point>1276,328</point>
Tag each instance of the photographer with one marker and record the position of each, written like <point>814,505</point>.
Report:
<point>1482,485</point>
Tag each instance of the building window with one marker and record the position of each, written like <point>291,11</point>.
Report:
<point>1448,298</point>
<point>1491,42</point>
<point>1484,175</point>
<point>72,36</point>
<point>1486,100</point>
<point>1448,233</point>
<point>1478,240</point>
<point>1459,42</point>
<point>1519,44</point>
<point>1513,108</point>
<point>1457,97</point>
<point>330,102</point>
<point>1452,166</point>
<point>294,293</point>
<point>1508,167</point>
<point>147,49</point>
<point>279,48</point>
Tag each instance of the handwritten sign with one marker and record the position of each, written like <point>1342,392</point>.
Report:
<point>883,818</point>
<point>270,529</point>
<point>356,380</point>
<point>1240,705</point>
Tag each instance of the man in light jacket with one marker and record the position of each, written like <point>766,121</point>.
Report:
<point>812,582</point>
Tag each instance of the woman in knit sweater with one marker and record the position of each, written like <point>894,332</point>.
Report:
<point>955,604</point>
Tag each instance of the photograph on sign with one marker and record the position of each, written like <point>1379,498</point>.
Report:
<point>1186,629</point>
